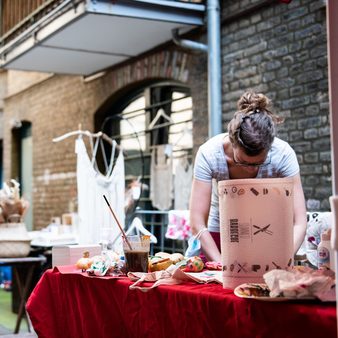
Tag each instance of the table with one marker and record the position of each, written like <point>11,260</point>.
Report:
<point>67,303</point>
<point>24,283</point>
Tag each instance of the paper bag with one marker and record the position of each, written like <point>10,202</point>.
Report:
<point>256,221</point>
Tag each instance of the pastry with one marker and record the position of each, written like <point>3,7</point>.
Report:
<point>176,257</point>
<point>163,254</point>
<point>158,263</point>
<point>254,290</point>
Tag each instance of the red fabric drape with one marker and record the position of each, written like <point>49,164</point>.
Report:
<point>66,304</point>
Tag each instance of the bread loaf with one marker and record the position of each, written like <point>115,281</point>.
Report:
<point>158,263</point>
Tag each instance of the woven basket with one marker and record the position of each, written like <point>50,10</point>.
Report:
<point>14,240</point>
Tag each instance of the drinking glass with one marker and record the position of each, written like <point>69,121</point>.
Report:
<point>136,252</point>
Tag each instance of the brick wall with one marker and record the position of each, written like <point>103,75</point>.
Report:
<point>57,105</point>
<point>276,48</point>
<point>280,50</point>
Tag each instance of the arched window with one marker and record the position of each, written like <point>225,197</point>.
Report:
<point>130,121</point>
<point>140,120</point>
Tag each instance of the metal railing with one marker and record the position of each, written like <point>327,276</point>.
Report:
<point>18,15</point>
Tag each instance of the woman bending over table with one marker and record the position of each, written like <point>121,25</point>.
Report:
<point>250,149</point>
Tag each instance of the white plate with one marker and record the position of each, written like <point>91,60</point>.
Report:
<point>239,293</point>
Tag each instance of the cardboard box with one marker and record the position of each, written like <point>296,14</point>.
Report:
<point>70,254</point>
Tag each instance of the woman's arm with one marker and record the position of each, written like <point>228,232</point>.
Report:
<point>299,213</point>
<point>199,211</point>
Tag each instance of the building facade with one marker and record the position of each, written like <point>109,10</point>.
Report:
<point>269,46</point>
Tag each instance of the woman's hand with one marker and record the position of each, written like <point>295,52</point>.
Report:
<point>199,211</point>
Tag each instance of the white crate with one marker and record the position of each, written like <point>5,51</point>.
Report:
<point>70,254</point>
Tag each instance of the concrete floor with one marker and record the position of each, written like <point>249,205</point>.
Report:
<point>8,318</point>
<point>4,332</point>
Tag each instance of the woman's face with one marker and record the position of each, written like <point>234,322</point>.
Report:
<point>249,163</point>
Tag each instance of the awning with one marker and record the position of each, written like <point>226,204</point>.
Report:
<point>95,35</point>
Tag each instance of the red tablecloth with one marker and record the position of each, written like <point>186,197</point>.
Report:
<point>66,303</point>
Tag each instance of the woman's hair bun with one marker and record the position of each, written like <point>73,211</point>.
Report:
<point>251,101</point>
